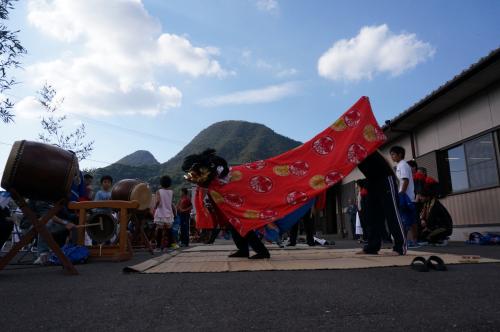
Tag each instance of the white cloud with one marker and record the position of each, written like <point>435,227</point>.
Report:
<point>28,108</point>
<point>286,72</point>
<point>275,68</point>
<point>374,50</point>
<point>118,52</point>
<point>257,96</point>
<point>268,5</point>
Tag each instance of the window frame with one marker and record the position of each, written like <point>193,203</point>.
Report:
<point>443,164</point>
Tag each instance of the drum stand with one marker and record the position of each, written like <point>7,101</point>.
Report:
<point>139,218</point>
<point>38,227</point>
<point>120,252</point>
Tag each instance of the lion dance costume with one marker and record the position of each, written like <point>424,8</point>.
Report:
<point>258,196</point>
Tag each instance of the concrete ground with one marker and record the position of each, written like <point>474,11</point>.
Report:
<point>102,297</point>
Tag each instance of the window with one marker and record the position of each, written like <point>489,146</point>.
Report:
<point>458,168</point>
<point>472,164</point>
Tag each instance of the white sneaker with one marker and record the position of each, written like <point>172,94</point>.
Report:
<point>42,259</point>
<point>443,243</point>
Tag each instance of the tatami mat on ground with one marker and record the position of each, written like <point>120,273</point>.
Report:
<point>214,259</point>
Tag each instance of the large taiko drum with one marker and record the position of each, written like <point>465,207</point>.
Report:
<point>102,227</point>
<point>132,190</point>
<point>40,171</point>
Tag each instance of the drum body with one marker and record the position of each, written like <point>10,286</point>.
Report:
<point>40,171</point>
<point>132,190</point>
<point>106,228</point>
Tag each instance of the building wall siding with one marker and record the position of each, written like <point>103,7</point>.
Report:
<point>474,208</point>
<point>495,105</point>
<point>448,129</point>
<point>353,176</point>
<point>468,119</point>
<point>429,161</point>
<point>427,139</point>
<point>475,116</point>
<point>403,141</point>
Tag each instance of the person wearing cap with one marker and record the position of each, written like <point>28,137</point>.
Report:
<point>436,221</point>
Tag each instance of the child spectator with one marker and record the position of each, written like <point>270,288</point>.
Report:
<point>406,194</point>
<point>105,193</point>
<point>184,209</point>
<point>362,190</point>
<point>164,214</point>
<point>89,193</point>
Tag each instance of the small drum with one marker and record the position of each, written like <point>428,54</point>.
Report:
<point>40,171</point>
<point>132,190</point>
<point>103,227</point>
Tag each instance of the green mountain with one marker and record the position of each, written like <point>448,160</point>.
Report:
<point>138,158</point>
<point>236,141</point>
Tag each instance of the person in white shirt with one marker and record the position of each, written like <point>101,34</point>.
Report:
<point>406,187</point>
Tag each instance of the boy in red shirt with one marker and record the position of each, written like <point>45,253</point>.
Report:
<point>184,209</point>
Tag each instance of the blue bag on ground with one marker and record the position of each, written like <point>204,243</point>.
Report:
<point>76,254</point>
<point>486,239</point>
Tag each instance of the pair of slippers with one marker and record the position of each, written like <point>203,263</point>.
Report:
<point>432,263</point>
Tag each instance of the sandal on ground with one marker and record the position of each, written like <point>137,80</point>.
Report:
<point>436,263</point>
<point>420,264</point>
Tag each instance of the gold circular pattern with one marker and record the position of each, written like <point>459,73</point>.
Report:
<point>339,125</point>
<point>369,133</point>
<point>236,176</point>
<point>317,182</point>
<point>216,197</point>
<point>251,214</point>
<point>281,170</point>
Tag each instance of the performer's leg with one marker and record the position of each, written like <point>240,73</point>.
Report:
<point>374,221</point>
<point>213,235</point>
<point>309,226</point>
<point>394,221</point>
<point>257,246</point>
<point>240,242</point>
<point>293,234</point>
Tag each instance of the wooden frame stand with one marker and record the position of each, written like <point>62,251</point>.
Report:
<point>139,236</point>
<point>38,228</point>
<point>120,252</point>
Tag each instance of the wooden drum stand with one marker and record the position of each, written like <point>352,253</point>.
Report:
<point>120,252</point>
<point>38,227</point>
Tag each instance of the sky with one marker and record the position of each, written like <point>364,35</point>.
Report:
<point>151,74</point>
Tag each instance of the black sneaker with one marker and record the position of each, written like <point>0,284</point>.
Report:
<point>238,254</point>
<point>261,255</point>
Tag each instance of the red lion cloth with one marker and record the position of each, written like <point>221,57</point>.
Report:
<point>264,191</point>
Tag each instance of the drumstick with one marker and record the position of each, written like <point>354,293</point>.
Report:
<point>94,224</point>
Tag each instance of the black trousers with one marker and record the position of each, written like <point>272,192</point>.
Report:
<point>382,206</point>
<point>309,228</point>
<point>250,239</point>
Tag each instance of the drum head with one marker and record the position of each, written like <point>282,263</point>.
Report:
<point>105,230</point>
<point>142,194</point>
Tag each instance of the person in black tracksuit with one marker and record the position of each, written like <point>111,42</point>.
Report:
<point>381,204</point>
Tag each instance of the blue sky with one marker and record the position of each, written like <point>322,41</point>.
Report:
<point>151,74</point>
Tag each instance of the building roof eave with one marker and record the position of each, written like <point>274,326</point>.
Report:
<point>472,80</point>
